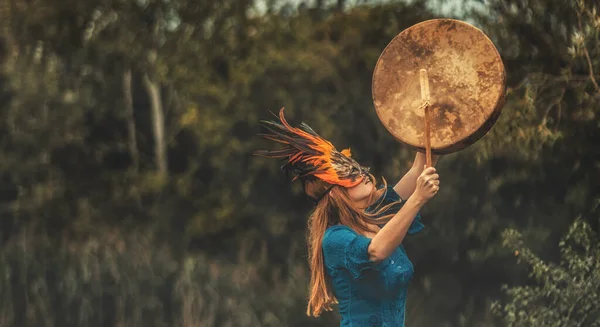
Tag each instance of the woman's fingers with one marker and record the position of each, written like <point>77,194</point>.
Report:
<point>429,181</point>
<point>434,186</point>
<point>431,178</point>
<point>428,171</point>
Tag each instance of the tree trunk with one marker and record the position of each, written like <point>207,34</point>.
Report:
<point>158,124</point>
<point>6,35</point>
<point>131,141</point>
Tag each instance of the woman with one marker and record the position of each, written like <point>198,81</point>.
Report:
<point>356,230</point>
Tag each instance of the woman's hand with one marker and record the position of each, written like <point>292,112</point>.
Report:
<point>428,184</point>
<point>408,183</point>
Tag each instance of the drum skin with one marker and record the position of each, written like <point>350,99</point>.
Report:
<point>467,84</point>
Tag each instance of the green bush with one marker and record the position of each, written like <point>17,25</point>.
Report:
<point>563,295</point>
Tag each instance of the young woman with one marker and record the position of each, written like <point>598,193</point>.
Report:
<point>356,230</point>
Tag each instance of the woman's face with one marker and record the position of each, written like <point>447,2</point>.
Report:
<point>360,193</point>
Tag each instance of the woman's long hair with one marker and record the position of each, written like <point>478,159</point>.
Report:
<point>334,208</point>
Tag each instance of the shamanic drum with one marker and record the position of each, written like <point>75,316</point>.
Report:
<point>466,80</point>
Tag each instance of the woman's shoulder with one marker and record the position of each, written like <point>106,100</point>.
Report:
<point>338,227</point>
<point>390,193</point>
<point>338,231</point>
<point>338,236</point>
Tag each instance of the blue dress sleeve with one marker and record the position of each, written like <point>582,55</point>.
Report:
<point>344,248</point>
<point>390,196</point>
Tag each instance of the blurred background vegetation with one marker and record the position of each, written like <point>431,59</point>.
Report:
<point>129,196</point>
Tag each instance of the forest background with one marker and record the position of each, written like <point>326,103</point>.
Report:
<point>129,195</point>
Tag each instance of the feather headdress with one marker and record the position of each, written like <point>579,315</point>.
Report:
<point>308,154</point>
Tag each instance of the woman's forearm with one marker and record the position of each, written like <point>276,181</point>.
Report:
<point>385,242</point>
<point>408,183</point>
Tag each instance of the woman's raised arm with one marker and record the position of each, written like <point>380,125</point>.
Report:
<point>385,242</point>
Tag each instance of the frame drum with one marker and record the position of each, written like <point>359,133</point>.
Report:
<point>467,85</point>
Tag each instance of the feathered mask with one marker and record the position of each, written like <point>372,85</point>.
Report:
<point>308,154</point>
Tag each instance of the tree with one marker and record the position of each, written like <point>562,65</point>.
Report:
<point>564,294</point>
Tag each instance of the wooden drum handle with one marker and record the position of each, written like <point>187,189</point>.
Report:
<point>424,79</point>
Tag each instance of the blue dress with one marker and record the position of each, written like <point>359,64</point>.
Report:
<point>369,294</point>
